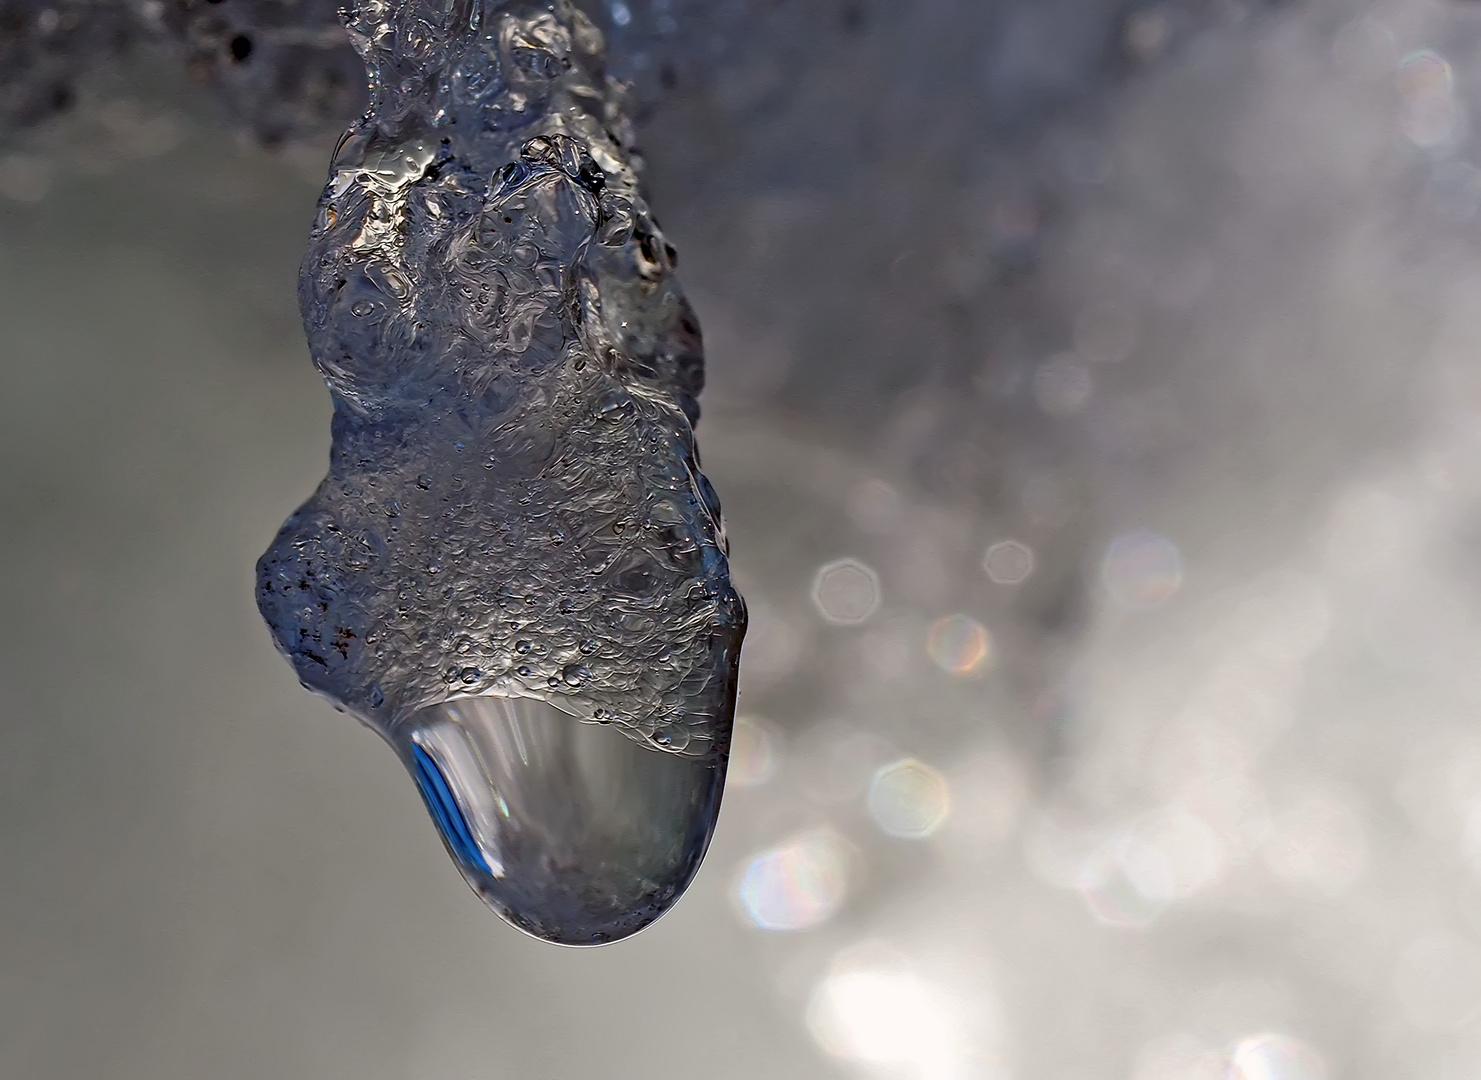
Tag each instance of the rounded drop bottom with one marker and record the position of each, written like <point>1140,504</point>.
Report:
<point>570,831</point>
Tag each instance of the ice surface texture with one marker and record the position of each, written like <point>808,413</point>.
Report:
<point>514,507</point>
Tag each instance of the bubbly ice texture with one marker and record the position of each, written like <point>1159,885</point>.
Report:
<point>514,508</point>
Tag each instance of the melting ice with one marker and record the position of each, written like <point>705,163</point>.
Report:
<point>515,571</point>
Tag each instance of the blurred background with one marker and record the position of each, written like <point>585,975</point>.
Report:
<point>1094,402</point>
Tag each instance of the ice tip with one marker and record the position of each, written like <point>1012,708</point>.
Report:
<point>575,833</point>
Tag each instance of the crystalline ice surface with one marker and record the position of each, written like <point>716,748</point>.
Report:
<point>515,571</point>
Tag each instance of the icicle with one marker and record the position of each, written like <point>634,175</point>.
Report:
<point>515,571</point>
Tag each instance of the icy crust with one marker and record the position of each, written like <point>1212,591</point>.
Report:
<point>514,504</point>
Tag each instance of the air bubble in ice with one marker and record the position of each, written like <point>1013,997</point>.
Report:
<point>515,571</point>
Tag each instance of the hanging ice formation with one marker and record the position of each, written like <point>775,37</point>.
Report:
<point>515,571</point>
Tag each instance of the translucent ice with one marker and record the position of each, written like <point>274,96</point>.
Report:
<point>515,571</point>
<point>560,826</point>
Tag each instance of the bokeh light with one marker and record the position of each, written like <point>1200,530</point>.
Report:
<point>845,592</point>
<point>1431,115</point>
<point>753,752</point>
<point>874,1010</point>
<point>908,799</point>
<point>797,884</point>
<point>1275,1057</point>
<point>1317,844</point>
<point>1195,854</point>
<point>1142,570</point>
<point>1438,981</point>
<point>1127,882</point>
<point>959,644</point>
<point>1008,562</point>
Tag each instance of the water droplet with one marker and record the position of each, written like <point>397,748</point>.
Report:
<point>573,832</point>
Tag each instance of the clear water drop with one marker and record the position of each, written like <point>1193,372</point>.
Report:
<point>569,830</point>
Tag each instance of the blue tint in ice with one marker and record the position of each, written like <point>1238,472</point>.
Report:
<point>445,811</point>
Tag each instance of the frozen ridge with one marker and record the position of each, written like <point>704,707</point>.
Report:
<point>514,509</point>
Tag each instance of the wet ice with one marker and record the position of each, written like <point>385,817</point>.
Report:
<point>515,529</point>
